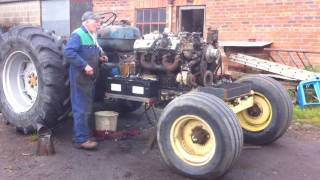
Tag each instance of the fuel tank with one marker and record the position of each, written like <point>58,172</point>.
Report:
<point>118,38</point>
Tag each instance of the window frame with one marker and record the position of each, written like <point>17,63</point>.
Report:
<point>195,7</point>
<point>142,23</point>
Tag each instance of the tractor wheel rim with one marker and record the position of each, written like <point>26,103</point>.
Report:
<point>20,81</point>
<point>258,117</point>
<point>193,140</point>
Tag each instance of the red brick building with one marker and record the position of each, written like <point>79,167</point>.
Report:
<point>291,24</point>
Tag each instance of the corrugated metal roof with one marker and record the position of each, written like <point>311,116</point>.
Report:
<point>244,43</point>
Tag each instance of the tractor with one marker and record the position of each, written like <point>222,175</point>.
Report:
<point>205,120</point>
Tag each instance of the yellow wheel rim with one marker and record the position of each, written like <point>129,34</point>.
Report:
<point>193,140</point>
<point>258,117</point>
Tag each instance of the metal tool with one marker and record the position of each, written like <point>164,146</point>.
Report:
<point>45,142</point>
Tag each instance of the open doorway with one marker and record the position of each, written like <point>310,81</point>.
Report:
<point>192,19</point>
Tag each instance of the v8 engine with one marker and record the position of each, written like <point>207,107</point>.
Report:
<point>185,58</point>
<point>177,62</point>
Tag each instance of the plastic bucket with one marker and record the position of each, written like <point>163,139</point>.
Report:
<point>106,120</point>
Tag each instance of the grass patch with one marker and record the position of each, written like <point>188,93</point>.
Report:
<point>310,115</point>
<point>34,137</point>
<point>314,68</point>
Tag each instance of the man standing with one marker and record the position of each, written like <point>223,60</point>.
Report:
<point>83,53</point>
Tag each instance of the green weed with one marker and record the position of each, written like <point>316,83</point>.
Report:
<point>309,115</point>
<point>34,136</point>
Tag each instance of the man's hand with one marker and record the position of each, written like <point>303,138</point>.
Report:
<point>88,70</point>
<point>103,59</point>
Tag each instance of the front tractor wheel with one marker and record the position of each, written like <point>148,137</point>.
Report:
<point>270,116</point>
<point>199,136</point>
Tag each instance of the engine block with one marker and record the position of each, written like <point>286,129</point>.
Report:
<point>186,56</point>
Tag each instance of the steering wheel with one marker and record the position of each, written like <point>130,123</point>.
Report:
<point>108,18</point>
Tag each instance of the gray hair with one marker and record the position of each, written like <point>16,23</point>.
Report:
<point>89,15</point>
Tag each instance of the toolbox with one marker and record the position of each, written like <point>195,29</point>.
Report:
<point>142,87</point>
<point>117,85</point>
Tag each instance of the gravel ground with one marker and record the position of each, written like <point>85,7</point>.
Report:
<point>295,156</point>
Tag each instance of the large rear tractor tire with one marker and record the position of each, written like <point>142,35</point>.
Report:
<point>34,84</point>
<point>271,114</point>
<point>199,136</point>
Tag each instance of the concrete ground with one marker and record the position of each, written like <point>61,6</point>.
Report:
<point>295,156</point>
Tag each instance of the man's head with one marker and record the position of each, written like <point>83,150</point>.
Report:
<point>91,21</point>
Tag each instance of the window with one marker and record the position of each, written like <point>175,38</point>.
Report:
<point>192,19</point>
<point>52,21</point>
<point>150,20</point>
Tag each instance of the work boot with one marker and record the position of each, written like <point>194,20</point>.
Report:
<point>88,145</point>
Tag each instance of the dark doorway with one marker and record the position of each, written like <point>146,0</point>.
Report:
<point>77,8</point>
<point>192,20</point>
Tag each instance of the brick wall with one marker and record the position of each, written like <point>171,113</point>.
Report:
<point>123,8</point>
<point>20,13</point>
<point>293,24</point>
<point>288,23</point>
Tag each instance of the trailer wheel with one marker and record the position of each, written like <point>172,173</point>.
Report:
<point>271,114</point>
<point>199,136</point>
<point>34,83</point>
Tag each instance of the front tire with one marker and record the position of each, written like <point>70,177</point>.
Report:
<point>271,114</point>
<point>199,136</point>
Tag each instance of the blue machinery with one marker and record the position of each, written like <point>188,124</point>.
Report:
<point>308,92</point>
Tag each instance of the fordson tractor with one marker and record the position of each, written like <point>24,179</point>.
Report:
<point>205,118</point>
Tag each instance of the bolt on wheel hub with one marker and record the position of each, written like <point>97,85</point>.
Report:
<point>200,135</point>
<point>33,80</point>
